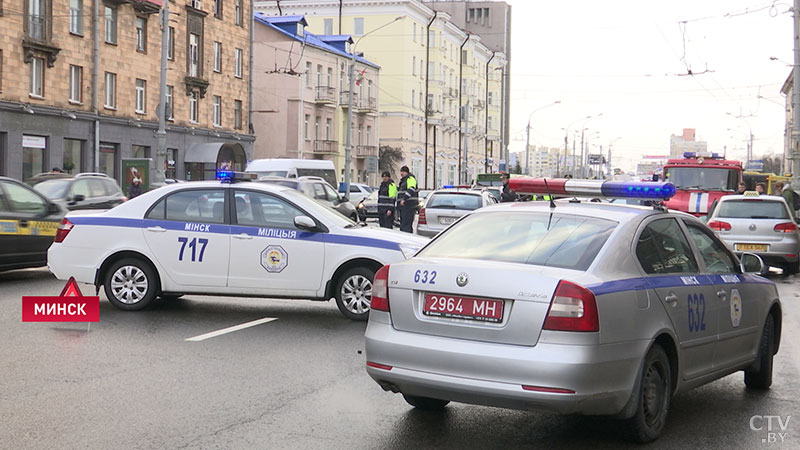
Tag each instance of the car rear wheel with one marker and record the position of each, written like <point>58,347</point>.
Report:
<point>791,268</point>
<point>759,375</point>
<point>426,403</point>
<point>131,284</point>
<point>354,293</point>
<point>653,394</point>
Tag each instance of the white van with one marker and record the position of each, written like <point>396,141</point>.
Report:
<point>293,168</point>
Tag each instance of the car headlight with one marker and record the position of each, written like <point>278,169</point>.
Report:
<point>360,206</point>
<point>409,250</point>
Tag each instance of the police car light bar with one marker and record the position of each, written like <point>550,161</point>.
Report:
<point>701,155</point>
<point>229,176</point>
<point>593,188</point>
<point>460,186</point>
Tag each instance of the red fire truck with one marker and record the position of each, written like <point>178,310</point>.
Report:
<point>700,179</point>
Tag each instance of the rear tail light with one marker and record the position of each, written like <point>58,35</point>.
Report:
<point>63,229</point>
<point>380,290</point>
<point>378,365</point>
<point>718,225</point>
<point>422,219</point>
<point>786,227</point>
<point>573,308</point>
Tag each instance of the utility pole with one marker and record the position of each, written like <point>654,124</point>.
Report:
<point>796,99</point>
<point>527,149</point>
<point>465,162</point>
<point>583,156</point>
<point>161,134</point>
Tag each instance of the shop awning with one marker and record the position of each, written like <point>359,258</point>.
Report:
<point>203,153</point>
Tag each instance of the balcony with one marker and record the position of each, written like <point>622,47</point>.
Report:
<point>362,151</point>
<point>367,104</point>
<point>344,98</point>
<point>480,104</point>
<point>38,39</point>
<point>325,94</point>
<point>326,147</point>
<point>450,92</point>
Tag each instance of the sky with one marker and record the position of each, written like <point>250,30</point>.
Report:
<point>630,60</point>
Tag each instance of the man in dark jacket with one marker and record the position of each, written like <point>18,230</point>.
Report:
<point>407,197</point>
<point>507,195</point>
<point>387,195</point>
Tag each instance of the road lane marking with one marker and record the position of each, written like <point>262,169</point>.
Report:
<point>212,334</point>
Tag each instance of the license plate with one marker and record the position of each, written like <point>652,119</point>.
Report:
<point>752,247</point>
<point>446,220</point>
<point>457,307</point>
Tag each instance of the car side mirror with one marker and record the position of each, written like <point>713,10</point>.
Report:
<point>797,220</point>
<point>305,223</point>
<point>343,198</point>
<point>751,263</point>
<point>52,208</point>
<point>78,198</point>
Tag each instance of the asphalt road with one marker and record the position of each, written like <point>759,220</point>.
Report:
<point>134,381</point>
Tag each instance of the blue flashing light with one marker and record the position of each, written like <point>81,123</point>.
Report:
<point>638,189</point>
<point>449,186</point>
<point>689,154</point>
<point>225,175</point>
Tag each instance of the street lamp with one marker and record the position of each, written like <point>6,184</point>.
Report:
<point>608,161</point>
<point>528,137</point>
<point>750,141</point>
<point>347,147</point>
<point>566,136</point>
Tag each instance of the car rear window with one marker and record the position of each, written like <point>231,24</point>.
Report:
<point>53,189</point>
<point>752,209</point>
<point>542,239</point>
<point>454,200</point>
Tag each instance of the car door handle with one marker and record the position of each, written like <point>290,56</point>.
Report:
<point>242,236</point>
<point>722,294</point>
<point>158,229</point>
<point>671,299</point>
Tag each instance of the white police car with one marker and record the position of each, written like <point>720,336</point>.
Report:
<point>226,238</point>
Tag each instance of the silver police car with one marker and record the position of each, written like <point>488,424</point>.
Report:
<point>588,308</point>
<point>761,224</point>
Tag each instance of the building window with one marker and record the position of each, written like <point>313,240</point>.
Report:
<point>369,134</point>
<point>171,43</point>
<point>37,77</point>
<point>316,127</point>
<point>33,155</point>
<point>238,12</point>
<point>489,121</point>
<point>237,63</point>
<point>217,112</point>
<point>330,77</point>
<point>170,112</point>
<point>421,104</point>
<point>194,55</point>
<point>1,74</point>
<point>141,151</point>
<point>432,38</point>
<point>75,84</point>
<point>73,149</point>
<point>319,75</point>
<point>413,98</point>
<point>193,107</point>
<point>172,157</point>
<point>489,101</point>
<point>111,91</point>
<point>76,16</point>
<point>108,159</point>
<point>111,24</point>
<point>305,126</point>
<point>358,26</point>
<point>360,133</point>
<point>237,114</point>
<point>38,16</point>
<point>471,15</point>
<point>217,56</point>
<point>141,34</point>
<point>328,124</point>
<point>218,9</point>
<point>328,26</point>
<point>486,16</point>
<point>421,68</point>
<point>308,74</point>
<point>414,35</point>
<point>141,96</point>
<point>369,88</point>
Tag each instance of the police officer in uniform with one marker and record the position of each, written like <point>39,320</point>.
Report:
<point>507,195</point>
<point>407,198</point>
<point>387,195</point>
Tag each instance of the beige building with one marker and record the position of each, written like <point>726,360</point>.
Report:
<point>686,142</point>
<point>430,68</point>
<point>81,91</point>
<point>301,92</point>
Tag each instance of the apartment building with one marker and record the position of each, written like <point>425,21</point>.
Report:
<point>430,69</point>
<point>301,94</point>
<point>79,86</point>
<point>491,20</point>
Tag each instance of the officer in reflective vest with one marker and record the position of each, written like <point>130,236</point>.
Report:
<point>407,198</point>
<point>387,195</point>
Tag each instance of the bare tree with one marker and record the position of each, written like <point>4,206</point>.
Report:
<point>389,158</point>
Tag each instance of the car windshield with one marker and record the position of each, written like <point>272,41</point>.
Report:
<point>53,189</point>
<point>271,173</point>
<point>705,178</point>
<point>542,239</point>
<point>752,209</point>
<point>321,209</point>
<point>326,174</point>
<point>454,200</point>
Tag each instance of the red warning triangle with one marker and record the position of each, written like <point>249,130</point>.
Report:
<point>71,289</point>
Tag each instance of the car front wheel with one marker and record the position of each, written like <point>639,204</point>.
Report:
<point>653,394</point>
<point>759,375</point>
<point>131,284</point>
<point>354,293</point>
